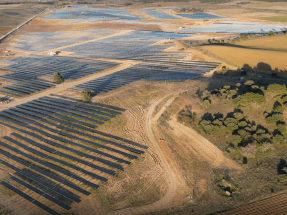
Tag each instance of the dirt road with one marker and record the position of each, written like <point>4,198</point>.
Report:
<point>176,184</point>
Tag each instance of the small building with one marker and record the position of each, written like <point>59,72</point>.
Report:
<point>52,53</point>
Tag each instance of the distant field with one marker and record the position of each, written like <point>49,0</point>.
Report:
<point>275,18</point>
<point>268,50</point>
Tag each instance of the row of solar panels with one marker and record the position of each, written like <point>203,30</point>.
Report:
<point>36,152</point>
<point>180,71</point>
<point>69,71</point>
<point>25,88</point>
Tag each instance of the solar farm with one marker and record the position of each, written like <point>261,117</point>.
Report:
<point>61,153</point>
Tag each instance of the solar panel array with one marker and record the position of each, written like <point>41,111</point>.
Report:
<point>25,87</point>
<point>126,46</point>
<point>165,66</point>
<point>159,14</point>
<point>52,139</point>
<point>199,16</point>
<point>237,28</point>
<point>86,13</point>
<point>43,41</point>
<point>28,70</point>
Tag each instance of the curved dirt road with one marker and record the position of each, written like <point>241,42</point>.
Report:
<point>176,183</point>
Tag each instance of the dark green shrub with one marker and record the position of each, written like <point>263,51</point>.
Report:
<point>232,92</point>
<point>250,98</point>
<point>238,116</point>
<point>86,95</point>
<point>276,88</point>
<point>217,122</point>
<point>281,127</point>
<point>230,120</point>
<point>278,139</point>
<point>249,82</point>
<point>58,78</point>
<point>236,139</point>
<point>278,109</point>
<point>232,127</point>
<point>274,118</point>
<point>242,124</point>
<point>260,131</point>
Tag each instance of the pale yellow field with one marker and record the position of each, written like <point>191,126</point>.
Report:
<point>277,42</point>
<point>268,50</point>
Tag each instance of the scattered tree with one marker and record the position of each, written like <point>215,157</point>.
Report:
<point>58,78</point>
<point>86,95</point>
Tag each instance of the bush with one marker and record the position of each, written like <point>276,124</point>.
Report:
<point>58,78</point>
<point>232,127</point>
<point>281,127</point>
<point>274,118</point>
<point>243,133</point>
<point>230,120</point>
<point>86,95</point>
<point>236,139</point>
<point>238,116</point>
<point>227,87</point>
<point>217,122</point>
<point>260,131</point>
<point>242,124</point>
<point>249,82</point>
<point>278,139</point>
<point>232,92</point>
<point>276,88</point>
<point>278,109</point>
<point>238,85</point>
<point>250,97</point>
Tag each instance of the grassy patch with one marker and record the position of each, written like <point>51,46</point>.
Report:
<point>275,18</point>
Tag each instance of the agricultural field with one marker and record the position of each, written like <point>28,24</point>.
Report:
<point>141,107</point>
<point>267,53</point>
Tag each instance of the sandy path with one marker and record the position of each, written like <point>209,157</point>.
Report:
<point>67,85</point>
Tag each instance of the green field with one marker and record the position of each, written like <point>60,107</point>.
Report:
<point>275,18</point>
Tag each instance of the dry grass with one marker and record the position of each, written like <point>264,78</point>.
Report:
<point>268,50</point>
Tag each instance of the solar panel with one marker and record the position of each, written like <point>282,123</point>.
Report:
<point>52,199</point>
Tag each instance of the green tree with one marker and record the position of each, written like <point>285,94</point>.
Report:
<point>278,139</point>
<point>251,98</point>
<point>242,124</point>
<point>236,139</point>
<point>58,78</point>
<point>276,88</point>
<point>86,95</point>
<point>281,127</point>
<point>238,116</point>
<point>249,82</point>
<point>278,109</point>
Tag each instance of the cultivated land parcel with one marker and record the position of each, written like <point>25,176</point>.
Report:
<point>143,108</point>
